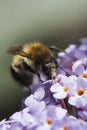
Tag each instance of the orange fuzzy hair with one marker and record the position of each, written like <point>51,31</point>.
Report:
<point>37,51</point>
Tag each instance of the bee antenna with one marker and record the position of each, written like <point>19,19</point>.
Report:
<point>64,70</point>
<point>53,48</point>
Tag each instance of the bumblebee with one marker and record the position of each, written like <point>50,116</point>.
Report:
<point>33,59</point>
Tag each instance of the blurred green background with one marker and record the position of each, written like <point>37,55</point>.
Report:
<point>58,22</point>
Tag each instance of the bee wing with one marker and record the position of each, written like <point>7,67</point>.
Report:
<point>17,50</point>
<point>14,50</point>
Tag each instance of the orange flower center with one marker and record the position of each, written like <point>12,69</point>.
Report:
<point>85,119</point>
<point>65,89</point>
<point>65,127</point>
<point>85,76</point>
<point>49,121</point>
<point>80,92</point>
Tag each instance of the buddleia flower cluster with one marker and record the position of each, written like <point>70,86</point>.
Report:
<point>58,105</point>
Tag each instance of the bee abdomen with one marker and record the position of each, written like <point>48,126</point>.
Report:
<point>28,68</point>
<point>21,77</point>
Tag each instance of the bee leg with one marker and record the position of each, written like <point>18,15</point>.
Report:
<point>40,77</point>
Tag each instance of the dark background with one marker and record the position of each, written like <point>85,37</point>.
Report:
<point>58,22</point>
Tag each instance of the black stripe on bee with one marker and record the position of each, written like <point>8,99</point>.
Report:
<point>27,67</point>
<point>22,78</point>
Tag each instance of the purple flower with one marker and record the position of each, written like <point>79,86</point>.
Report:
<point>34,105</point>
<point>41,91</point>
<point>79,99</point>
<point>60,104</point>
<point>72,54</point>
<point>83,114</point>
<point>51,114</point>
<point>24,119</point>
<point>64,87</point>
<point>79,66</point>
<point>83,46</point>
